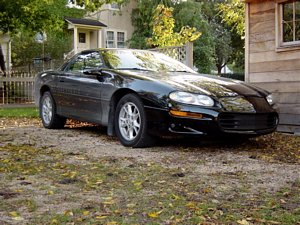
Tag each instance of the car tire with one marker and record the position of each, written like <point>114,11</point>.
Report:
<point>131,123</point>
<point>48,114</point>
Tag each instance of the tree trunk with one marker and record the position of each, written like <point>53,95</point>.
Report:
<point>219,69</point>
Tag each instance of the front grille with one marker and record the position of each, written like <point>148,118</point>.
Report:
<point>247,121</point>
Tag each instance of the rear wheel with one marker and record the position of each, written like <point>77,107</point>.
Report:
<point>48,114</point>
<point>131,123</point>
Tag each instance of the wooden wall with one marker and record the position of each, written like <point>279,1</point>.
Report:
<point>275,71</point>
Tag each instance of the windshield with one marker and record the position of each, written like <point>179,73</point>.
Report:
<point>142,60</point>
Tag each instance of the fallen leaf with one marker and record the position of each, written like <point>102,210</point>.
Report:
<point>154,214</point>
<point>101,217</point>
<point>68,213</point>
<point>18,218</point>
<point>176,197</point>
<point>85,213</point>
<point>13,214</point>
<point>243,222</point>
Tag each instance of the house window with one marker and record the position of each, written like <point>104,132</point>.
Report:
<point>115,39</point>
<point>120,40</point>
<point>289,23</point>
<point>82,38</point>
<point>110,39</point>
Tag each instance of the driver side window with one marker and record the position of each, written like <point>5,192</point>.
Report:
<point>86,61</point>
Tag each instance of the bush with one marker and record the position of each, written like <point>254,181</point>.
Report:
<point>236,76</point>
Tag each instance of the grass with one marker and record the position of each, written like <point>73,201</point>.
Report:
<point>26,112</point>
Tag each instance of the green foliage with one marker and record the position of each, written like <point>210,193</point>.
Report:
<point>34,15</point>
<point>25,48</point>
<point>93,5</point>
<point>217,46</point>
<point>228,43</point>
<point>223,49</point>
<point>141,18</point>
<point>163,29</point>
<point>191,13</point>
<point>40,15</point>
<point>236,76</point>
<point>233,13</point>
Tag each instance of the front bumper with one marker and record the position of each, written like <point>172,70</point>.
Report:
<point>211,122</point>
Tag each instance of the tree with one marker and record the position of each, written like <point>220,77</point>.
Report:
<point>38,15</point>
<point>191,13</point>
<point>163,34</point>
<point>233,13</point>
<point>223,49</point>
<point>34,15</point>
<point>141,18</point>
<point>25,48</point>
<point>185,13</point>
<point>93,5</point>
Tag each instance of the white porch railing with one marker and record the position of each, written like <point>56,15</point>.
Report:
<point>69,54</point>
<point>183,53</point>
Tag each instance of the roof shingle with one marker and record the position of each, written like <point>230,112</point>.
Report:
<point>85,22</point>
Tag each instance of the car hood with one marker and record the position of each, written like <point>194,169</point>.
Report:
<point>201,83</point>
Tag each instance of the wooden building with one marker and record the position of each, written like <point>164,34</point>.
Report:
<point>273,55</point>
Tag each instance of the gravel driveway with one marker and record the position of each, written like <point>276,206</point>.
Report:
<point>222,166</point>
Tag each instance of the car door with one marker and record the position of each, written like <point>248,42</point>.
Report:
<point>68,88</point>
<point>91,88</point>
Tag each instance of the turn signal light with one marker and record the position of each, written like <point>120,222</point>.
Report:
<point>186,114</point>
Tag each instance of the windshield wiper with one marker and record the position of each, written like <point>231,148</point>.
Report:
<point>180,71</point>
<point>134,68</point>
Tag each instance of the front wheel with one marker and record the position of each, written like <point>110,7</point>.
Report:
<point>131,123</point>
<point>48,114</point>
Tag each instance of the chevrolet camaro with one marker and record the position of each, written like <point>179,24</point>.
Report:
<point>142,95</point>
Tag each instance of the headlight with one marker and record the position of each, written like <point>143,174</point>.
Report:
<point>193,99</point>
<point>270,99</point>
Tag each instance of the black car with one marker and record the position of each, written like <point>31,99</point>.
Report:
<point>142,95</point>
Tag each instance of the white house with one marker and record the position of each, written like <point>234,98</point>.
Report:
<point>110,27</point>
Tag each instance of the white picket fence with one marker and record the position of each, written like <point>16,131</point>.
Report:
<point>16,89</point>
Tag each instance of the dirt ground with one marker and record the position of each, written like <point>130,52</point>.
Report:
<point>224,171</point>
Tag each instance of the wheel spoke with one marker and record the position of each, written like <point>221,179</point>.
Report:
<point>136,130</point>
<point>136,124</point>
<point>131,136</point>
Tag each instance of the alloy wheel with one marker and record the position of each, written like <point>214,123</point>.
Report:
<point>129,121</point>
<point>47,108</point>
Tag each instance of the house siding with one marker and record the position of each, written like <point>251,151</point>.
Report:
<point>116,20</point>
<point>275,71</point>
